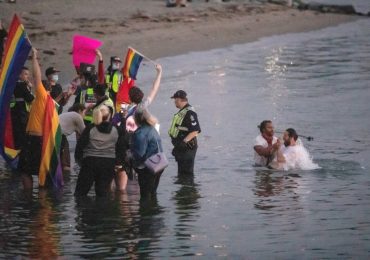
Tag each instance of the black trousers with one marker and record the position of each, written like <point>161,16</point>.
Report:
<point>96,170</point>
<point>185,160</point>
<point>148,182</point>
<point>64,152</point>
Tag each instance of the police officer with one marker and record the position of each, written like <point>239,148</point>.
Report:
<point>114,77</point>
<point>20,107</point>
<point>85,92</point>
<point>184,129</point>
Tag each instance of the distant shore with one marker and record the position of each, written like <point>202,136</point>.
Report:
<point>152,28</point>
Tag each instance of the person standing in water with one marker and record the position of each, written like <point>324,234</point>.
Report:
<point>183,132</point>
<point>292,155</point>
<point>266,144</point>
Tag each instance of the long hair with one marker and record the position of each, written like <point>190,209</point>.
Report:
<point>101,114</point>
<point>142,117</point>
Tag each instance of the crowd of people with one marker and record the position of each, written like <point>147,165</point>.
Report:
<point>113,139</point>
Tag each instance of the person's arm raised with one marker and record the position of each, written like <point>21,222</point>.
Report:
<point>156,83</point>
<point>36,69</point>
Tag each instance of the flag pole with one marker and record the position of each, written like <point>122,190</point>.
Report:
<point>150,60</point>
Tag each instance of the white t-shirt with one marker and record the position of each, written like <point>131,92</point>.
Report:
<point>260,141</point>
<point>71,122</point>
<point>297,157</point>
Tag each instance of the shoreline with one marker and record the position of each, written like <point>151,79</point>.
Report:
<point>157,31</point>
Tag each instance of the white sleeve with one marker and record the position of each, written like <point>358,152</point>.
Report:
<point>260,141</point>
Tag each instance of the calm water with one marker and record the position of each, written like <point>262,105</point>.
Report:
<point>316,82</point>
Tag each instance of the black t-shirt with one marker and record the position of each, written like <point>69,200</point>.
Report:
<point>190,122</point>
<point>21,91</point>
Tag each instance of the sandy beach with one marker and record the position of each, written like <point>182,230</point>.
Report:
<point>152,28</point>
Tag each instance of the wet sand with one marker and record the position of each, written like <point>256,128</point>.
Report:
<point>152,28</point>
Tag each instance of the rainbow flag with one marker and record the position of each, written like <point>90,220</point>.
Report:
<point>132,63</point>
<point>17,48</point>
<point>52,138</point>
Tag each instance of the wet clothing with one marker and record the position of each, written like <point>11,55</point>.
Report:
<point>98,150</point>
<point>184,122</point>
<point>30,155</point>
<point>262,160</point>
<point>19,109</point>
<point>145,143</point>
<point>96,170</point>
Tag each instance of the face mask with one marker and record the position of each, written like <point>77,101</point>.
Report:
<point>115,66</point>
<point>55,77</point>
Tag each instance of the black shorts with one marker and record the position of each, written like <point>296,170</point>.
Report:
<point>30,156</point>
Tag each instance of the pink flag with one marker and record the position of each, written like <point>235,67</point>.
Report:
<point>84,49</point>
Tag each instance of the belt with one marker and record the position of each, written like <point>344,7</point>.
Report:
<point>19,99</point>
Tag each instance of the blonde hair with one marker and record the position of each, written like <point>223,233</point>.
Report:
<point>101,114</point>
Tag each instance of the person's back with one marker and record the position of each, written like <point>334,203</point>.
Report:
<point>146,142</point>
<point>71,122</point>
<point>102,141</point>
<point>99,150</point>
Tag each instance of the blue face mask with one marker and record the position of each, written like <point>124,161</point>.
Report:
<point>55,77</point>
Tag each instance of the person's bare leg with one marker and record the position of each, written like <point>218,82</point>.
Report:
<point>121,180</point>
<point>27,182</point>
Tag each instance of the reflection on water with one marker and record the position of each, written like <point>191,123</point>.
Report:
<point>316,82</point>
<point>118,226</point>
<point>274,189</point>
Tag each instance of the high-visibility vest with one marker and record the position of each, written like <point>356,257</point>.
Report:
<point>87,96</point>
<point>13,101</point>
<point>115,80</point>
<point>177,121</point>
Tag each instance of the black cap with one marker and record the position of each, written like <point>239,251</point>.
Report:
<point>115,58</point>
<point>51,70</point>
<point>179,94</point>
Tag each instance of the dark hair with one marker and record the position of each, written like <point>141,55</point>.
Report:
<point>139,118</point>
<point>136,95</point>
<point>76,108</point>
<point>100,89</point>
<point>263,125</point>
<point>292,133</point>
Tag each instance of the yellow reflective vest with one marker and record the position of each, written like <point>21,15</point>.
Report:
<point>87,96</point>
<point>115,80</point>
<point>177,121</point>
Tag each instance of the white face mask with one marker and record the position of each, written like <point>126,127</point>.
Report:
<point>115,66</point>
<point>55,77</point>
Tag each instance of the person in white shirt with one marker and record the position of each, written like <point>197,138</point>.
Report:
<point>266,144</point>
<point>70,122</point>
<point>292,155</point>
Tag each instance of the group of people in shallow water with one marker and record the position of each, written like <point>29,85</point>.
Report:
<point>113,139</point>
<point>286,154</point>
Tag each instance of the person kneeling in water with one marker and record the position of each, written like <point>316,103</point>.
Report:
<point>292,155</point>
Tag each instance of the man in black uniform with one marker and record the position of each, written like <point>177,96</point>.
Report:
<point>20,107</point>
<point>56,91</point>
<point>184,129</point>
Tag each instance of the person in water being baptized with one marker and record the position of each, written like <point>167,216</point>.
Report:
<point>293,155</point>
